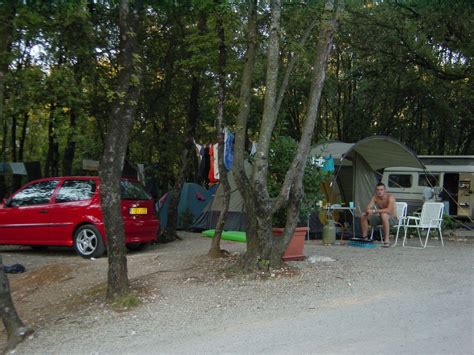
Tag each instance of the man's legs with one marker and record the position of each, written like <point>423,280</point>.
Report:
<point>385,217</point>
<point>364,225</point>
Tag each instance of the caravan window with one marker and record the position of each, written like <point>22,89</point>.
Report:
<point>399,180</point>
<point>428,180</point>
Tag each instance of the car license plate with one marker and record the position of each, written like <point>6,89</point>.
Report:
<point>138,210</point>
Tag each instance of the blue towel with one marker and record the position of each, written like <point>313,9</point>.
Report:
<point>228,149</point>
<point>329,163</point>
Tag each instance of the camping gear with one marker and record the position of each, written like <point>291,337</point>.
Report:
<point>236,219</point>
<point>356,167</point>
<point>431,218</point>
<point>357,164</point>
<point>360,244</point>
<point>192,201</point>
<point>329,232</point>
<point>235,236</point>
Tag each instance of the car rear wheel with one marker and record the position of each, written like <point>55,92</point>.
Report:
<point>88,242</point>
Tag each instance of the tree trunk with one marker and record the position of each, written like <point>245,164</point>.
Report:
<point>14,152</point>
<point>262,247</point>
<point>16,330</point>
<point>7,16</point>
<point>215,250</point>
<point>70,149</point>
<point>13,138</point>
<point>241,179</point>
<point>115,148</point>
<point>51,166</point>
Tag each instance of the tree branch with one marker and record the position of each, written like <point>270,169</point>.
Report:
<point>291,65</point>
<point>241,178</point>
<point>328,29</point>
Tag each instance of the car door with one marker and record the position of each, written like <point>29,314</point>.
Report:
<point>74,203</point>
<point>25,218</point>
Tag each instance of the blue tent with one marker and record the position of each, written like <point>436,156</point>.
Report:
<point>192,201</point>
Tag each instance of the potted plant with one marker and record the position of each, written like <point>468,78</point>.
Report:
<point>281,154</point>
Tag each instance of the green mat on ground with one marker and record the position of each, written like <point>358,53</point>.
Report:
<point>235,236</point>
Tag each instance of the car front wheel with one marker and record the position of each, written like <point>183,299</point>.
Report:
<point>88,242</point>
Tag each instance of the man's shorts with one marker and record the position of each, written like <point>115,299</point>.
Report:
<point>375,220</point>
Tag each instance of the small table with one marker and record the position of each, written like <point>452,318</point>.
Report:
<point>340,208</point>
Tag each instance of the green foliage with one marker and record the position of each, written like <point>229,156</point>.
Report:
<point>450,223</point>
<point>263,264</point>
<point>282,152</point>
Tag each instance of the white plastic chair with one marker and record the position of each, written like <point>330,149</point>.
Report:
<point>431,218</point>
<point>402,208</point>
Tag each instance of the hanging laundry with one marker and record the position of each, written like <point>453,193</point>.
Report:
<point>211,177</point>
<point>228,149</point>
<point>205,165</point>
<point>215,147</point>
<point>329,163</point>
<point>253,149</point>
<point>199,148</point>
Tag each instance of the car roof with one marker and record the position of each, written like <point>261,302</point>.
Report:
<point>77,178</point>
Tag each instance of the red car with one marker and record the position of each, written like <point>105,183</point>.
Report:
<point>66,211</point>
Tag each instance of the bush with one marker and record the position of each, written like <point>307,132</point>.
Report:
<point>282,151</point>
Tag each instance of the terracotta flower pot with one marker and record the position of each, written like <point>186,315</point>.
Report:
<point>294,250</point>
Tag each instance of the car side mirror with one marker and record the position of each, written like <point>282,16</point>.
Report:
<point>7,202</point>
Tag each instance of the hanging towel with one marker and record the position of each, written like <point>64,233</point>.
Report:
<point>211,175</point>
<point>228,149</point>
<point>253,149</point>
<point>199,149</point>
<point>205,164</point>
<point>215,147</point>
<point>329,163</point>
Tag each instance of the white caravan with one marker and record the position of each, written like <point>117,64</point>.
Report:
<point>448,178</point>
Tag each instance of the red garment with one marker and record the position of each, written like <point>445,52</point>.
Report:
<point>212,179</point>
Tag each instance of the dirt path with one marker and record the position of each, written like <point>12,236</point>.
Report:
<point>191,305</point>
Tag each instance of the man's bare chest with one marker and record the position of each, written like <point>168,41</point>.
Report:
<point>381,202</point>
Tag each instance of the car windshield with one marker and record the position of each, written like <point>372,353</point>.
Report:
<point>132,190</point>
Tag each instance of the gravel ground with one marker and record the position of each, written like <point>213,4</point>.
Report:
<point>364,301</point>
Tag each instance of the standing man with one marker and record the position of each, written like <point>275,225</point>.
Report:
<point>381,210</point>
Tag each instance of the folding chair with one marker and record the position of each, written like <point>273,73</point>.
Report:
<point>402,209</point>
<point>431,218</point>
